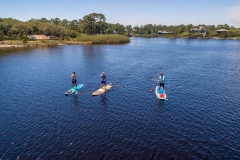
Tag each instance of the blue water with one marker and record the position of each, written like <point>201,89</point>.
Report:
<point>200,119</point>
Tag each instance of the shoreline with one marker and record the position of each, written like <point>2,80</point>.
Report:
<point>10,45</point>
<point>172,37</point>
<point>20,44</point>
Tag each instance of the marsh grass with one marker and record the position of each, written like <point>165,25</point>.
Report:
<point>30,42</point>
<point>80,40</point>
<point>103,39</point>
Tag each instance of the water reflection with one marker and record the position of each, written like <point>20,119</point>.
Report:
<point>103,98</point>
<point>76,101</point>
<point>21,50</point>
<point>160,103</point>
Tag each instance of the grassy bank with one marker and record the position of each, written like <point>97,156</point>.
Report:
<point>153,36</point>
<point>20,43</point>
<point>80,40</point>
<point>104,39</point>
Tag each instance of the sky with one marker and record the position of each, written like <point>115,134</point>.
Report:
<point>128,12</point>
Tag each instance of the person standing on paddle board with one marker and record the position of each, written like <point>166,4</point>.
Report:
<point>161,79</point>
<point>74,79</point>
<point>103,81</point>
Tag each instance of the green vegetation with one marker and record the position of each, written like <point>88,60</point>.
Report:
<point>188,31</point>
<point>31,43</point>
<point>93,29</point>
<point>185,31</point>
<point>104,39</point>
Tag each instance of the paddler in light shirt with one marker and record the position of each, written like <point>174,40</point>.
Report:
<point>161,79</point>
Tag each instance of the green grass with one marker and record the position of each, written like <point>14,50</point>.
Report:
<point>103,39</point>
<point>30,43</point>
<point>81,40</point>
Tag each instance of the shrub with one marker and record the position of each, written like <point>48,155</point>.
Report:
<point>104,39</point>
<point>43,41</point>
<point>1,37</point>
<point>25,39</point>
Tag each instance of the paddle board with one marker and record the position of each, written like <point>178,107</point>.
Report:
<point>102,90</point>
<point>74,89</point>
<point>160,93</point>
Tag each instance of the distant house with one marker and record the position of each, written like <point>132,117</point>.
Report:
<point>194,29</point>
<point>41,37</point>
<point>129,35</point>
<point>164,32</point>
<point>222,30</point>
<point>198,30</point>
<point>37,37</point>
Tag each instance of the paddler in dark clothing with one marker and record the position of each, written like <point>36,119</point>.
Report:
<point>74,79</point>
<point>103,81</point>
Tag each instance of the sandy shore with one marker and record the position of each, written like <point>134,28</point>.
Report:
<point>11,45</point>
<point>44,44</point>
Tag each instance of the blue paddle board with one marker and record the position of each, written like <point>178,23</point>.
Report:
<point>74,89</point>
<point>160,93</point>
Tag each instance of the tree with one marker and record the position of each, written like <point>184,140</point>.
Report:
<point>119,29</point>
<point>1,36</point>
<point>72,33</point>
<point>73,25</point>
<point>92,24</point>
<point>189,27</point>
<point>14,30</point>
<point>65,22</point>
<point>129,29</point>
<point>44,20</point>
<point>37,27</point>
<point>136,29</point>
<point>57,21</point>
<point>148,29</point>
<point>54,30</point>
<point>225,26</point>
<point>23,28</point>
<point>88,24</point>
<point>5,28</point>
<point>100,20</point>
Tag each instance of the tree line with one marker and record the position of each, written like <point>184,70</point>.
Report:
<point>94,24</point>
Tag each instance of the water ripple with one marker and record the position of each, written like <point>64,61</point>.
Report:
<point>200,119</point>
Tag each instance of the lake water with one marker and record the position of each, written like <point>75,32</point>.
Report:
<point>200,119</point>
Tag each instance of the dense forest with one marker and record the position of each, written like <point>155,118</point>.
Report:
<point>95,24</point>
